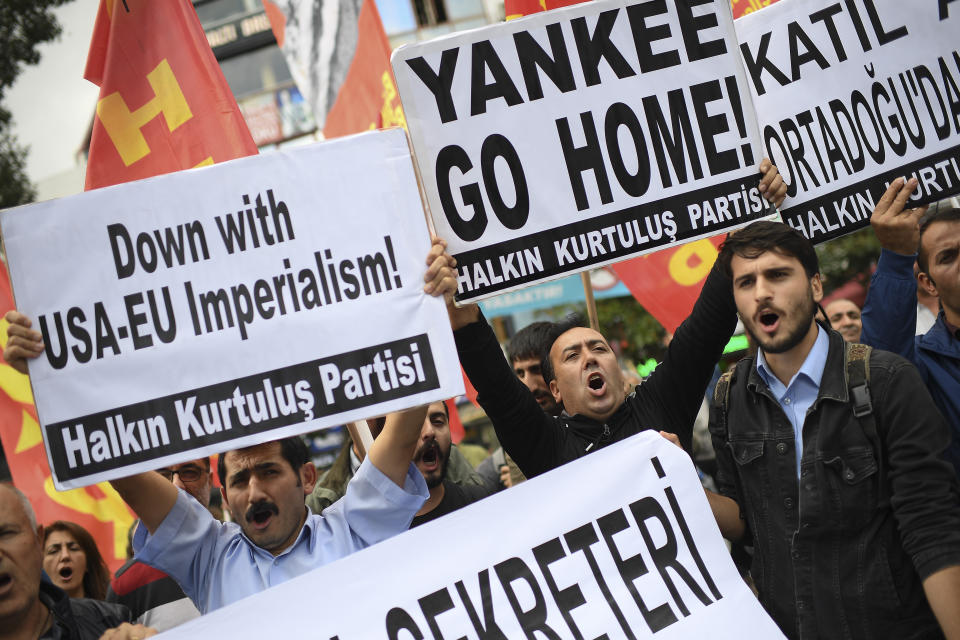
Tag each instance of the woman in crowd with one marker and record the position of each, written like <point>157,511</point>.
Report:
<point>73,562</point>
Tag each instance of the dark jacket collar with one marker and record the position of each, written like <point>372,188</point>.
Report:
<point>939,339</point>
<point>833,384</point>
<point>58,602</point>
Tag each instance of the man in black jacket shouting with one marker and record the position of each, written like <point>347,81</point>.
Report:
<point>584,376</point>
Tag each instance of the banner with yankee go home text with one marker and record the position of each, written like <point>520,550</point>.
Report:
<point>633,553</point>
<point>224,306</point>
<point>581,136</point>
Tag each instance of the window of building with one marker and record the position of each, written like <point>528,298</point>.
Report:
<point>254,71</point>
<point>213,11</point>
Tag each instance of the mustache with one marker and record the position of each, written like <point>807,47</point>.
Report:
<point>428,446</point>
<point>263,506</point>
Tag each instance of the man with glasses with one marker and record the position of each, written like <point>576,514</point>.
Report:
<point>153,597</point>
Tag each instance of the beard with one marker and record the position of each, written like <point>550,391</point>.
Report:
<point>431,451</point>
<point>801,316</point>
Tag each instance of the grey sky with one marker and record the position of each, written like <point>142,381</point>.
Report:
<point>52,104</point>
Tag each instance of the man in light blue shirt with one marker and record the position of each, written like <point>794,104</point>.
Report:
<point>798,396</point>
<point>274,537</point>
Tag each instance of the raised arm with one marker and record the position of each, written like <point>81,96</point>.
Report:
<point>677,386</point>
<point>150,496</point>
<point>393,449</point>
<point>890,311</point>
<point>23,343</point>
<point>523,429</point>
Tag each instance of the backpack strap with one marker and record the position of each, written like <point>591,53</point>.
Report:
<point>721,396</point>
<point>858,380</point>
<point>861,400</point>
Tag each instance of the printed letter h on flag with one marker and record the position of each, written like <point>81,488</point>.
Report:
<point>123,125</point>
<point>164,103</point>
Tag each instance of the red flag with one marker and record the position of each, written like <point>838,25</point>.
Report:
<point>668,282</point>
<point>743,7</point>
<point>164,104</point>
<point>519,8</point>
<point>98,508</point>
<point>356,70</point>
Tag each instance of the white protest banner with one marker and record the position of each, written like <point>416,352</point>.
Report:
<point>577,137</point>
<point>206,310</point>
<point>621,542</point>
<point>851,96</point>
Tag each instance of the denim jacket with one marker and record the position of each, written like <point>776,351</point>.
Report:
<point>841,551</point>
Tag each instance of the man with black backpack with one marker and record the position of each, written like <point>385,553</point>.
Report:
<point>829,459</point>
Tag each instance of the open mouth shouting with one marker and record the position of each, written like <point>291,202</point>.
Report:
<point>261,514</point>
<point>428,457</point>
<point>596,384</point>
<point>66,573</point>
<point>6,582</point>
<point>768,321</point>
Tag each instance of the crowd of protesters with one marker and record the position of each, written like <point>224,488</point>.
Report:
<point>832,445</point>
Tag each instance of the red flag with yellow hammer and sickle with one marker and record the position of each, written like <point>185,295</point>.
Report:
<point>164,105</point>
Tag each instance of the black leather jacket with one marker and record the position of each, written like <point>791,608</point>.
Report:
<point>668,400</point>
<point>79,618</point>
<point>840,552</point>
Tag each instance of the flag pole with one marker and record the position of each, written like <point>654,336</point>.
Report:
<point>591,303</point>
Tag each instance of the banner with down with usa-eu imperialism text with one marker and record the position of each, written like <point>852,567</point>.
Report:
<point>219,307</point>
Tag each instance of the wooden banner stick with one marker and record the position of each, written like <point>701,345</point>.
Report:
<point>361,435</point>
<point>591,303</point>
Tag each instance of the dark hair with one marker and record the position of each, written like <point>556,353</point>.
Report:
<point>97,576</point>
<point>764,235</point>
<point>530,342</point>
<point>293,449</point>
<point>934,214</point>
<point>557,329</point>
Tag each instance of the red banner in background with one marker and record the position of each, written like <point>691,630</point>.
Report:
<point>667,283</point>
<point>164,104</point>
<point>743,7</point>
<point>366,97</point>
<point>98,508</point>
<point>519,8</point>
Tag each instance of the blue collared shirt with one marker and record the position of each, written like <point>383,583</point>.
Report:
<point>216,564</point>
<point>797,397</point>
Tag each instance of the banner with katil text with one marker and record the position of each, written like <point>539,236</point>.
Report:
<point>637,559</point>
<point>851,96</point>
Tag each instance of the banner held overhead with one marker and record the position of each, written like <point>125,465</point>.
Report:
<point>850,97</point>
<point>271,285</point>
<point>577,137</point>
